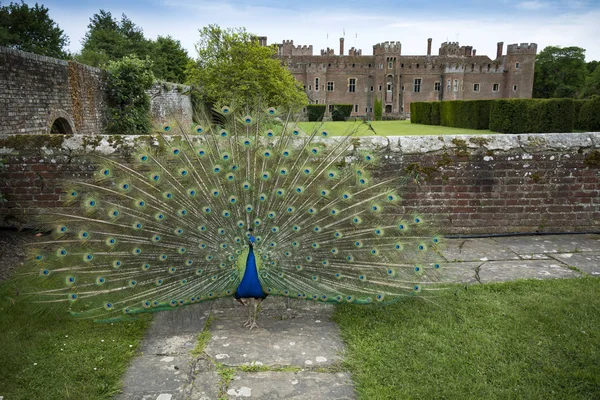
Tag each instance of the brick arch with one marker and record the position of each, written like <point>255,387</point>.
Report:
<point>63,119</point>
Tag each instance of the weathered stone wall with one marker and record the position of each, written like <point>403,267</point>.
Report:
<point>171,102</point>
<point>36,90</point>
<point>467,184</point>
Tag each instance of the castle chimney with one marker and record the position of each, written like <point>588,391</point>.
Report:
<point>499,51</point>
<point>474,52</point>
<point>341,46</point>
<point>429,46</point>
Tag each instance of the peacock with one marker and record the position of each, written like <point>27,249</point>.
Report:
<point>246,205</point>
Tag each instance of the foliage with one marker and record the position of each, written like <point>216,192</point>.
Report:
<point>472,114</point>
<point>377,109</point>
<point>169,59</point>
<point>577,122</point>
<point>315,112</point>
<point>559,72</point>
<point>233,68</point>
<point>129,105</point>
<point>592,84</point>
<point>590,115</point>
<point>532,115</point>
<point>341,112</point>
<point>108,39</point>
<point>518,340</point>
<point>31,29</point>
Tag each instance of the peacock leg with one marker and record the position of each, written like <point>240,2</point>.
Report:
<point>255,303</point>
<point>249,320</point>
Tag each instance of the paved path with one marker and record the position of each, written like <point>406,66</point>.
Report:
<point>296,351</point>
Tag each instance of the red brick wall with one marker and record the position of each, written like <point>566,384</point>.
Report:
<point>466,184</point>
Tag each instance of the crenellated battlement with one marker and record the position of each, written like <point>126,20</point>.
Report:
<point>523,48</point>
<point>393,47</point>
<point>287,48</point>
<point>454,49</point>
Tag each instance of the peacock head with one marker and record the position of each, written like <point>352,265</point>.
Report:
<point>251,238</point>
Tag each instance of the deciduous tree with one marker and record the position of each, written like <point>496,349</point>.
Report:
<point>559,72</point>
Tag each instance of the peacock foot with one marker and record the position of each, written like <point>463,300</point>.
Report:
<point>248,322</point>
<point>252,325</point>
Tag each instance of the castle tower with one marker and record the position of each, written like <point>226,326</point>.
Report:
<point>519,65</point>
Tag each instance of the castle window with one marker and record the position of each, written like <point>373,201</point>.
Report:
<point>309,87</point>
<point>330,86</point>
<point>389,87</point>
<point>380,88</point>
<point>418,65</point>
<point>472,67</point>
<point>417,86</point>
<point>401,65</point>
<point>317,101</point>
<point>329,65</point>
<point>496,87</point>
<point>514,88</point>
<point>353,65</point>
<point>448,84</point>
<point>476,87</point>
<point>370,109</point>
<point>352,85</point>
<point>517,65</point>
<point>381,66</point>
<point>437,86</point>
<point>489,67</point>
<point>369,65</point>
<point>317,84</point>
<point>390,64</point>
<point>402,87</point>
<point>455,85</point>
<point>322,87</point>
<point>356,108</point>
<point>372,88</point>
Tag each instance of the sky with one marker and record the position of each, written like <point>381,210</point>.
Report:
<point>477,23</point>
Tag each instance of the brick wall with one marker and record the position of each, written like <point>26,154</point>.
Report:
<point>467,184</point>
<point>36,90</point>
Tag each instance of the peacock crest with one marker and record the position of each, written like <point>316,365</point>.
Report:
<point>177,225</point>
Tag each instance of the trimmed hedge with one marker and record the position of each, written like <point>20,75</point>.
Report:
<point>471,114</point>
<point>589,115</point>
<point>578,123</point>
<point>532,115</point>
<point>315,112</point>
<point>341,112</point>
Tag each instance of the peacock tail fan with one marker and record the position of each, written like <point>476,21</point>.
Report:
<point>171,228</point>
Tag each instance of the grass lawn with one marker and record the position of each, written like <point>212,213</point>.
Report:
<point>56,356</point>
<point>390,128</point>
<point>517,340</point>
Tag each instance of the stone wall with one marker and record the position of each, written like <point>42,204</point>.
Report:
<point>38,92</point>
<point>466,184</point>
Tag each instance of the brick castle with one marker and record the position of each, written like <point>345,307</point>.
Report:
<point>456,73</point>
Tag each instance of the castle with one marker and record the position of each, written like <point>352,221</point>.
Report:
<point>456,73</point>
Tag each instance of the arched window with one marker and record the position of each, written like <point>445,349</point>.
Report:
<point>61,126</point>
<point>388,108</point>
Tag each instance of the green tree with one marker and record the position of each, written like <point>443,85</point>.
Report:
<point>377,110</point>
<point>129,105</point>
<point>31,29</point>
<point>592,65</point>
<point>169,59</point>
<point>592,84</point>
<point>559,72</point>
<point>233,68</point>
<point>108,39</point>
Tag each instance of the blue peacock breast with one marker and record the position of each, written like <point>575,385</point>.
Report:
<point>250,286</point>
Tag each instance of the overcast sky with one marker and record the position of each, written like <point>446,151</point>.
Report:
<point>480,24</point>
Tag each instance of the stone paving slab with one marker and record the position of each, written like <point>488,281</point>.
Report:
<point>476,250</point>
<point>500,271</point>
<point>291,385</point>
<point>460,272</point>
<point>550,244</point>
<point>588,262</point>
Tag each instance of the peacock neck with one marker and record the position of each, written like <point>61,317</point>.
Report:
<point>250,286</point>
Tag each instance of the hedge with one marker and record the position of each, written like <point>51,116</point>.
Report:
<point>589,115</point>
<point>472,114</point>
<point>578,123</point>
<point>315,112</point>
<point>421,113</point>
<point>341,112</point>
<point>532,115</point>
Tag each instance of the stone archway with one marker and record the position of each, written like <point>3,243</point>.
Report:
<point>388,108</point>
<point>61,126</point>
<point>60,122</point>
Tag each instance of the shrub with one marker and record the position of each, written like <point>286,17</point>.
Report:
<point>128,104</point>
<point>590,114</point>
<point>377,110</point>
<point>532,115</point>
<point>577,121</point>
<point>420,112</point>
<point>341,112</point>
<point>315,112</point>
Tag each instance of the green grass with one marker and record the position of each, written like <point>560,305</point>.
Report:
<point>53,355</point>
<point>517,340</point>
<point>389,128</point>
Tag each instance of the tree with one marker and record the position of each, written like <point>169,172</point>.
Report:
<point>129,105</point>
<point>592,84</point>
<point>559,72</point>
<point>169,59</point>
<point>592,65</point>
<point>109,40</point>
<point>31,29</point>
<point>233,68</point>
